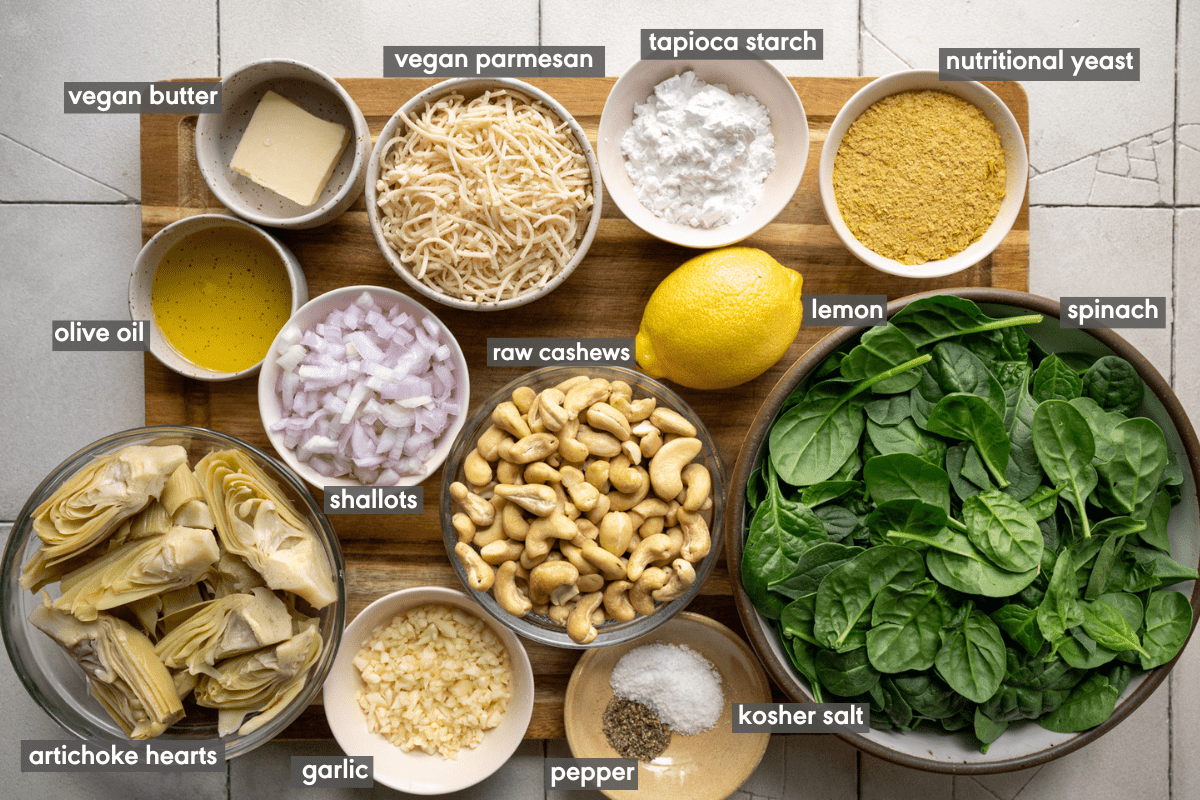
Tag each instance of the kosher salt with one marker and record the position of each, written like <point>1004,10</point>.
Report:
<point>678,683</point>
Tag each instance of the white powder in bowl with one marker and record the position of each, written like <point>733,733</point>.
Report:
<point>698,155</point>
<point>681,685</point>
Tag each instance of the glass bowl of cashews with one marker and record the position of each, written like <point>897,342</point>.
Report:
<point>582,506</point>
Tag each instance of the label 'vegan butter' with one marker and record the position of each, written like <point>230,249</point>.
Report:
<point>288,150</point>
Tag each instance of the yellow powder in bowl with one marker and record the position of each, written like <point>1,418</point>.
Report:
<point>919,176</point>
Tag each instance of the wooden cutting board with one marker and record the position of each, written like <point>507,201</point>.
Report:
<point>604,297</point>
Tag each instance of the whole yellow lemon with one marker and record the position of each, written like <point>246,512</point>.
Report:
<point>720,319</point>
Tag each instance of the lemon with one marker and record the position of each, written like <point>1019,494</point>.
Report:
<point>720,319</point>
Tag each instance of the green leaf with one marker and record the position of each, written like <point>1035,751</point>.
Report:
<point>1168,622</point>
<point>1054,380</point>
<point>972,659</point>
<point>932,319</point>
<point>905,628</point>
<point>1109,628</point>
<point>881,349</point>
<point>847,674</point>
<point>906,437</point>
<point>987,730</point>
<point>817,562</point>
<point>969,417</point>
<point>1102,424</point>
<point>1020,623</point>
<point>889,410</point>
<point>1088,705</point>
<point>1114,384</point>
<point>827,491</point>
<point>1065,449</point>
<point>902,476</point>
<point>1127,483</point>
<point>1060,609</point>
<point>1003,530</point>
<point>846,594</point>
<point>812,440</point>
<point>1041,504</point>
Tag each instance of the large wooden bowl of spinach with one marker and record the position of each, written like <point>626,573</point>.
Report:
<point>982,524</point>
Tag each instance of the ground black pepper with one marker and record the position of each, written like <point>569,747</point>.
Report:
<point>634,730</point>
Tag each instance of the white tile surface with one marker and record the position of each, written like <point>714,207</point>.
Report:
<point>346,39</point>
<point>768,779</point>
<point>1067,120</point>
<point>1187,168</point>
<point>42,45</point>
<point>1106,252</point>
<point>1187,318</point>
<point>820,761</point>
<point>1185,723</point>
<point>883,780</point>
<point>26,175</point>
<point>74,263</point>
<point>617,25</point>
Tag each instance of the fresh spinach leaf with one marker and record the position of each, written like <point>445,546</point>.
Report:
<point>906,437</point>
<point>987,730</point>
<point>1041,504</point>
<point>1065,448</point>
<point>1054,380</point>
<point>1109,628</point>
<point>905,628</point>
<point>1020,623</point>
<point>817,562</point>
<point>848,674</point>
<point>881,349</point>
<point>1114,384</point>
<point>902,476</point>
<point>1088,705</point>
<point>780,533</point>
<point>1061,609</point>
<point>827,491</point>
<point>932,319</point>
<point>1127,483</point>
<point>847,593</point>
<point>890,410</point>
<point>972,658</point>
<point>1003,530</point>
<point>971,418</point>
<point>1101,423</point>
<point>1168,622</point>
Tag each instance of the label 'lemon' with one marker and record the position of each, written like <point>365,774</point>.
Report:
<point>720,319</point>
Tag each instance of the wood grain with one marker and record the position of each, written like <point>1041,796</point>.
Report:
<point>604,297</point>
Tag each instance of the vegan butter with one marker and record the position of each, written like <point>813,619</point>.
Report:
<point>288,150</point>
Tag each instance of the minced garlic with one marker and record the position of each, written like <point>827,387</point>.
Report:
<point>919,176</point>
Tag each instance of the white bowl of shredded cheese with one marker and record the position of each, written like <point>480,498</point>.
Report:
<point>702,153</point>
<point>448,628</point>
<point>483,194</point>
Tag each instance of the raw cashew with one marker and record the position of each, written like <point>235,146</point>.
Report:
<point>634,411</point>
<point>679,580</point>
<point>632,451</point>
<point>653,579</point>
<point>699,486</point>
<point>507,417</point>
<point>479,510</point>
<point>550,411</point>
<point>651,526</point>
<point>622,501</point>
<point>575,556</point>
<point>616,530</point>
<point>604,417</point>
<point>479,574</point>
<point>492,533</point>
<point>571,383</point>
<point>669,421</point>
<point>676,537</point>
<point>616,601</point>
<point>501,551</point>
<point>651,507</point>
<point>530,448</point>
<point>523,397</point>
<point>558,615</point>
<point>535,498</point>
<point>583,494</point>
<point>696,538</point>
<point>598,443</point>
<point>590,583</point>
<point>541,472</point>
<point>602,507</point>
<point>590,392</point>
<point>587,529</point>
<point>548,576</point>
<point>563,594</point>
<point>652,548</point>
<point>620,389</point>
<point>597,475</point>
<point>508,472</point>
<point>672,512</point>
<point>651,443</point>
<point>488,445</point>
<point>543,529</point>
<point>611,566</point>
<point>463,526</point>
<point>668,463</point>
<point>579,621</point>
<point>623,476</point>
<point>505,590</point>
<point>477,469</point>
<point>569,447</point>
<point>515,525</point>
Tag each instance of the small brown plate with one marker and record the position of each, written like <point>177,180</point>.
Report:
<point>707,766</point>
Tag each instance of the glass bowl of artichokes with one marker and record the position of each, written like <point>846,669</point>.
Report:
<point>172,582</point>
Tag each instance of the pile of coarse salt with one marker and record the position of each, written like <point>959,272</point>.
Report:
<point>681,685</point>
<point>365,393</point>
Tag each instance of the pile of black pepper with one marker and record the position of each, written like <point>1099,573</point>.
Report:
<point>634,730</point>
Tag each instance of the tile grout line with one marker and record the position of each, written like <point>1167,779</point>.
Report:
<point>860,37</point>
<point>128,198</point>
<point>539,22</point>
<point>218,13</point>
<point>1174,280</point>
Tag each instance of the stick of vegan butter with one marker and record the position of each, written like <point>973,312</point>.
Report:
<point>288,150</point>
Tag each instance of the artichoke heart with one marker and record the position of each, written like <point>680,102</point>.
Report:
<point>255,521</point>
<point>94,502</point>
<point>231,626</point>
<point>231,575</point>
<point>123,672</point>
<point>137,570</point>
<point>264,681</point>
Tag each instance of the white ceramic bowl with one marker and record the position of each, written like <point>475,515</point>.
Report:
<point>316,310</point>
<point>217,137</point>
<point>416,772</point>
<point>141,283</point>
<point>470,88</point>
<point>1016,164</point>
<point>789,125</point>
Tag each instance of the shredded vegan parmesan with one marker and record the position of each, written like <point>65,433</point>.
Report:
<point>435,678</point>
<point>678,683</point>
<point>919,176</point>
<point>484,200</point>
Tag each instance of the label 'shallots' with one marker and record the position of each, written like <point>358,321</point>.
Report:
<point>374,500</point>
